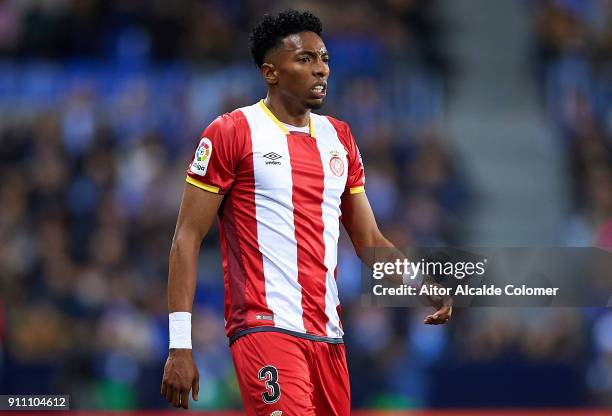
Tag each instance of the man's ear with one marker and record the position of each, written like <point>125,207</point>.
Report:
<point>269,73</point>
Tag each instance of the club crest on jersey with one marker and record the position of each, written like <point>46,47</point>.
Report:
<point>336,164</point>
<point>202,157</point>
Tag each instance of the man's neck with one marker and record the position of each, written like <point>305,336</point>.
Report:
<point>286,114</point>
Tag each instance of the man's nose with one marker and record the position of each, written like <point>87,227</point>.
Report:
<point>321,69</point>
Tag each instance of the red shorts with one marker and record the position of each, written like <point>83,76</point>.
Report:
<point>281,374</point>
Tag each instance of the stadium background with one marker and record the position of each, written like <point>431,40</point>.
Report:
<point>480,123</point>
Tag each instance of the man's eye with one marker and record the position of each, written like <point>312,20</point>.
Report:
<point>305,59</point>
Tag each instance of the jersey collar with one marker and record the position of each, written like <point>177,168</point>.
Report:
<point>279,124</point>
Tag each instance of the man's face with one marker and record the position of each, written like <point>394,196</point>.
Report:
<point>302,65</point>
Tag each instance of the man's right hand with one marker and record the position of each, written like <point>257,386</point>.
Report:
<point>180,376</point>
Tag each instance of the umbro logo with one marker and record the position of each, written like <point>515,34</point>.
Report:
<point>272,156</point>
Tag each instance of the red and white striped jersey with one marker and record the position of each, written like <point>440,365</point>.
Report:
<point>280,218</point>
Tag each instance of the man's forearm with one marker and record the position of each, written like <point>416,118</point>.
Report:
<point>368,252</point>
<point>182,273</point>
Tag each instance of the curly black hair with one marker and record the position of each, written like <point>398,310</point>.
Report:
<point>271,30</point>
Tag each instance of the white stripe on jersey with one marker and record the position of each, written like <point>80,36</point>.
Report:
<point>328,142</point>
<point>275,223</point>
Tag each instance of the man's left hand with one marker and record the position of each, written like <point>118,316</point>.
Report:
<point>441,316</point>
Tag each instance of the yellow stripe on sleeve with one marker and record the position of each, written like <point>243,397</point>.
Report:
<point>195,182</point>
<point>356,190</point>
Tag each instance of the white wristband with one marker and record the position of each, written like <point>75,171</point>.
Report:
<point>180,329</point>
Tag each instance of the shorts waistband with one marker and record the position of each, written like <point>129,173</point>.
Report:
<point>310,337</point>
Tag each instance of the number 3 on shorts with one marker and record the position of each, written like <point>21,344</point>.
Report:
<point>269,374</point>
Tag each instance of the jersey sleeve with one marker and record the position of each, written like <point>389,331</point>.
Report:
<point>215,159</point>
<point>355,180</point>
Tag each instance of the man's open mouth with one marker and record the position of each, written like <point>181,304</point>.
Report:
<point>319,90</point>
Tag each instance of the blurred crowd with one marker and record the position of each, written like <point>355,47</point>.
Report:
<point>573,60</point>
<point>573,64</point>
<point>210,31</point>
<point>102,103</point>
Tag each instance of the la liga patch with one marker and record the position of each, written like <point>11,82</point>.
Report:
<point>202,157</point>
